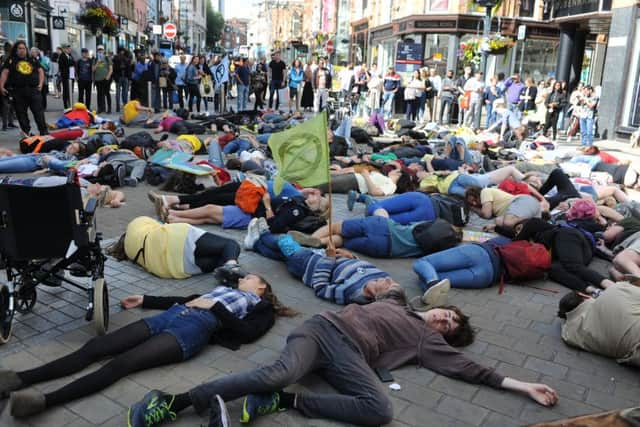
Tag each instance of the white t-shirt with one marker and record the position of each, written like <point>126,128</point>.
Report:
<point>345,78</point>
<point>384,183</point>
<point>474,86</point>
<point>189,260</point>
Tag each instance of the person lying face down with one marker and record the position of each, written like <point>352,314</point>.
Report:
<point>608,325</point>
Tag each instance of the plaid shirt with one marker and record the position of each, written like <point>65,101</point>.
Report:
<point>236,301</point>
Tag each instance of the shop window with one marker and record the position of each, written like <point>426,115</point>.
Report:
<point>527,8</point>
<point>635,101</point>
<point>436,50</point>
<point>539,59</point>
<point>436,5</point>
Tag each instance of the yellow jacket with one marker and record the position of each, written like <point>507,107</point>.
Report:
<point>163,245</point>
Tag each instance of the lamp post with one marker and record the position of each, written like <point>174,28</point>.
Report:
<point>486,29</point>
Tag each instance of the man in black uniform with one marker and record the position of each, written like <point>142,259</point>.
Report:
<point>26,78</point>
<point>65,63</point>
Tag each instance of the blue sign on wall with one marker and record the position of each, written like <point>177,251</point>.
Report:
<point>409,57</point>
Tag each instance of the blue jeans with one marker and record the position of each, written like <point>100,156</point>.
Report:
<point>237,145</point>
<point>243,95</point>
<point>387,97</point>
<point>453,141</point>
<point>191,327</point>
<point>263,138</point>
<point>446,104</point>
<point>297,263</point>
<point>464,181</point>
<point>586,131</point>
<point>267,246</point>
<point>490,115</point>
<point>156,99</point>
<point>369,236</point>
<point>344,130</point>
<point>466,266</point>
<point>29,163</point>
<point>215,154</point>
<point>406,208</point>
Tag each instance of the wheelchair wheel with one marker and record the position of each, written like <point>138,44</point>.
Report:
<point>6,316</point>
<point>100,305</point>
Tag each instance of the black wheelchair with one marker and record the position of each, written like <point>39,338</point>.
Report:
<point>44,233</point>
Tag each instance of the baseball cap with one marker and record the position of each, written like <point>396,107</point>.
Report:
<point>100,47</point>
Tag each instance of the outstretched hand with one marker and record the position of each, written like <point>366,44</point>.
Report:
<point>542,393</point>
<point>132,301</point>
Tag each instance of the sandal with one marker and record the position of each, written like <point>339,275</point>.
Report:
<point>162,209</point>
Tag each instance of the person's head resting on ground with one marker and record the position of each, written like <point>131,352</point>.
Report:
<point>258,285</point>
<point>449,321</point>
<point>590,150</point>
<point>615,233</point>
<point>568,303</point>
<point>472,197</point>
<point>76,149</point>
<point>318,203</point>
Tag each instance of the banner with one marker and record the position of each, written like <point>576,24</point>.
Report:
<point>302,154</point>
<point>409,57</point>
<point>221,71</point>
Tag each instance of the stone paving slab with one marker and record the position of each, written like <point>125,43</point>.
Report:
<point>518,334</point>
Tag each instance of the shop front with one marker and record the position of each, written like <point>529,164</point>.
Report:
<point>619,108</point>
<point>440,37</point>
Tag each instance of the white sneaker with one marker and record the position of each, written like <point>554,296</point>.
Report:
<point>263,226</point>
<point>253,234</point>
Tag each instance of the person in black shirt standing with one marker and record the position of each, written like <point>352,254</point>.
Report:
<point>5,104</point>
<point>122,68</point>
<point>65,63</point>
<point>85,77</point>
<point>26,79</point>
<point>277,69</point>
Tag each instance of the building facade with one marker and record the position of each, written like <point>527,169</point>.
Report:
<point>235,34</point>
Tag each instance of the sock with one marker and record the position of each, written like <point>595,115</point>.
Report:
<point>180,402</point>
<point>286,400</point>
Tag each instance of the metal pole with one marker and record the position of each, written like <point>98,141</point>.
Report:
<point>486,28</point>
<point>524,43</point>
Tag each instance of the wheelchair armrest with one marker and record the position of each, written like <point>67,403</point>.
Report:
<point>90,207</point>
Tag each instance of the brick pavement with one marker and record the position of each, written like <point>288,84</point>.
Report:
<point>518,334</point>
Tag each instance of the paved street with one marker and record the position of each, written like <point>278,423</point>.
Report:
<point>518,334</point>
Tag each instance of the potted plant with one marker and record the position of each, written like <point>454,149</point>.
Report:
<point>98,18</point>
<point>496,44</point>
<point>469,52</point>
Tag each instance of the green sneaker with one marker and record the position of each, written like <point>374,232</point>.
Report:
<point>256,405</point>
<point>154,408</point>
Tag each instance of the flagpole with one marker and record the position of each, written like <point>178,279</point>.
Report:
<point>330,199</point>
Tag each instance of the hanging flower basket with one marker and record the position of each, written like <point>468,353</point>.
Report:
<point>98,18</point>
<point>470,52</point>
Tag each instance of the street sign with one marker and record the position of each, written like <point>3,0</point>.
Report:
<point>522,32</point>
<point>170,30</point>
<point>329,47</point>
<point>157,29</point>
<point>409,57</point>
<point>58,22</point>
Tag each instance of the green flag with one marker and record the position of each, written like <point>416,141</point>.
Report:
<point>302,153</point>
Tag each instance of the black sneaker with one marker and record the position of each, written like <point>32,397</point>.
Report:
<point>229,273</point>
<point>218,415</point>
<point>121,174</point>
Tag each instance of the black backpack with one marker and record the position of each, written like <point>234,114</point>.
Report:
<point>451,209</point>
<point>338,147</point>
<point>138,139</point>
<point>437,235</point>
